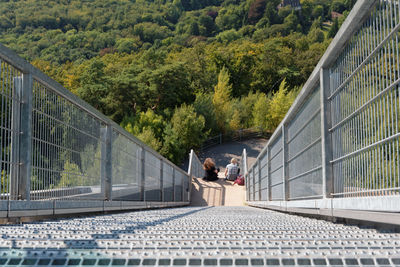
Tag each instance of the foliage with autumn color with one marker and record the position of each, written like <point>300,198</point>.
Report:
<point>156,66</point>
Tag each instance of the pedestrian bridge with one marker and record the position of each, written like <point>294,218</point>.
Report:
<point>335,156</point>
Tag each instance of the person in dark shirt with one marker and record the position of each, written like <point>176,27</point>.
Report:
<point>211,173</point>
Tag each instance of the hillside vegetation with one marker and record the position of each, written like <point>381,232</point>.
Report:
<point>176,72</point>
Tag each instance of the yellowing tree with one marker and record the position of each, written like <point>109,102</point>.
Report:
<point>279,105</point>
<point>234,123</point>
<point>221,99</point>
<point>260,111</point>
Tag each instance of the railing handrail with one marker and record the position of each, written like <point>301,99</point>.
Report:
<point>31,143</point>
<point>337,147</point>
<point>12,58</point>
<point>353,21</point>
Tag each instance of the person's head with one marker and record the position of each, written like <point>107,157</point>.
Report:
<point>208,164</point>
<point>233,161</point>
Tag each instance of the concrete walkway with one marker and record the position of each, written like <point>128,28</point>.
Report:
<point>221,192</point>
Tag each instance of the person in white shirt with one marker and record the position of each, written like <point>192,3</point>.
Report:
<point>231,170</point>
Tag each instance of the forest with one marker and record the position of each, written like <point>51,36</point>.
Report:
<point>175,72</point>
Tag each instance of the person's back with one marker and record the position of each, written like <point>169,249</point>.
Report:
<point>232,170</point>
<point>211,173</point>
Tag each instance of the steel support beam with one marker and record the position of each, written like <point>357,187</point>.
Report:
<point>326,140</point>
<point>285,152</point>
<point>25,146</point>
<point>106,162</point>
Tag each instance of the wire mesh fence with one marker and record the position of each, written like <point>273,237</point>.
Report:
<point>365,97</point>
<point>66,147</point>
<point>56,148</point>
<point>304,150</point>
<point>340,139</point>
<point>10,102</point>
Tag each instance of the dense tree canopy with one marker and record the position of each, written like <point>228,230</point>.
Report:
<point>155,65</point>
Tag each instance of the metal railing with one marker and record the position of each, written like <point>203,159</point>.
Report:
<point>59,154</point>
<point>243,162</point>
<point>338,146</point>
<point>195,169</point>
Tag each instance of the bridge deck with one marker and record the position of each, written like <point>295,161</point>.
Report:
<point>196,236</point>
<point>217,193</point>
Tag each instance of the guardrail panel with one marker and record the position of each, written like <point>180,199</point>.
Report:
<point>342,144</point>
<point>66,148</point>
<point>152,177</point>
<point>365,108</point>
<point>125,168</point>
<point>179,186</point>
<point>264,177</point>
<point>250,184</point>
<point>58,150</point>
<point>304,150</point>
<point>168,182</point>
<point>256,182</point>
<point>9,140</point>
<point>276,161</point>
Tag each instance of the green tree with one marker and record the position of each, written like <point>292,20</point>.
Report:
<point>260,111</point>
<point>170,86</point>
<point>316,35</point>
<point>203,105</point>
<point>228,36</point>
<point>221,99</point>
<point>194,28</point>
<point>292,22</point>
<point>334,28</point>
<point>230,17</point>
<point>93,84</point>
<point>148,137</point>
<point>149,121</point>
<point>186,131</point>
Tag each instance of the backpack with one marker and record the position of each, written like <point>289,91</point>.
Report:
<point>239,180</point>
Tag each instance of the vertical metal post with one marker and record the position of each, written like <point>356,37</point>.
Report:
<point>106,162</point>
<point>15,137</point>
<point>269,197</point>
<point>183,188</point>
<point>15,128</point>
<point>142,176</point>
<point>244,161</point>
<point>21,124</point>
<point>173,184</point>
<point>254,184</point>
<point>248,186</point>
<point>190,172</point>
<point>26,137</point>
<point>161,180</point>
<point>285,163</point>
<point>326,140</point>
<point>259,179</point>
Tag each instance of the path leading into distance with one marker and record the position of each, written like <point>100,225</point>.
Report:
<point>221,192</point>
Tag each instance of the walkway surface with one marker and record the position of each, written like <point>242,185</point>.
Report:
<point>220,192</point>
<point>192,236</point>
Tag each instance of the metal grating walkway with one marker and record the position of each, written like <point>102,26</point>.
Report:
<point>196,236</point>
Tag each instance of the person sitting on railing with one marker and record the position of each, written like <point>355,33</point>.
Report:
<point>211,173</point>
<point>232,170</point>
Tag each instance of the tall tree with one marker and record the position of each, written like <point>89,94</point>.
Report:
<point>221,99</point>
